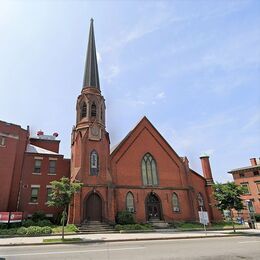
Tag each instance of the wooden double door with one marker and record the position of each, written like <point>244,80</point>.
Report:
<point>153,207</point>
<point>93,208</point>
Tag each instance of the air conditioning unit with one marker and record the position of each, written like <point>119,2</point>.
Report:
<point>131,209</point>
<point>176,209</point>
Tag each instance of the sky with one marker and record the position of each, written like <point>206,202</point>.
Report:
<point>191,67</point>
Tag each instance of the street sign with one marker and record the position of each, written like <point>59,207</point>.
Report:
<point>11,217</point>
<point>204,217</point>
<point>4,217</point>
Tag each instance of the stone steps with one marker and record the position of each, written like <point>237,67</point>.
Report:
<point>157,223</point>
<point>95,227</point>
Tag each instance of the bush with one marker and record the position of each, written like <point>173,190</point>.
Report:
<point>10,231</point>
<point>34,230</point>
<point>38,215</point>
<point>44,223</point>
<point>257,217</point>
<point>124,218</point>
<point>46,230</point>
<point>133,227</point>
<point>21,231</point>
<point>28,223</point>
<point>71,228</point>
<point>3,226</point>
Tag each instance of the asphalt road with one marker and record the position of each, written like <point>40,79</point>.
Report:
<point>210,248</point>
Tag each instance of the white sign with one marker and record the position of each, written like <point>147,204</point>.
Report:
<point>204,217</point>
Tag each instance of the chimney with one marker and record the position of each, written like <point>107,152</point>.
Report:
<point>206,168</point>
<point>253,161</point>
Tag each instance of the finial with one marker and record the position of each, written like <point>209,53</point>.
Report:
<point>91,20</point>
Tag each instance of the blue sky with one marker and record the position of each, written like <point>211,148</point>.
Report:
<point>192,67</point>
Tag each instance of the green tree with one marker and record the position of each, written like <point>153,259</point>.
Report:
<point>228,197</point>
<point>61,195</point>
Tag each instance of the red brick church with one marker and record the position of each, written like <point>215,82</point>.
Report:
<point>142,174</point>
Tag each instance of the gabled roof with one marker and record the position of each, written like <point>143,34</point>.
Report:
<point>143,120</point>
<point>35,149</point>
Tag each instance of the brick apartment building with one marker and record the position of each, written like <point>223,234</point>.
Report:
<point>142,174</point>
<point>27,166</point>
<point>249,177</point>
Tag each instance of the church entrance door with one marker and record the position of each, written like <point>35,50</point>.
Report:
<point>153,207</point>
<point>93,208</point>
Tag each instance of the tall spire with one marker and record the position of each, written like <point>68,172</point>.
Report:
<point>91,78</point>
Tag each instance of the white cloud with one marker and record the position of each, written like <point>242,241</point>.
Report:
<point>111,73</point>
<point>160,95</point>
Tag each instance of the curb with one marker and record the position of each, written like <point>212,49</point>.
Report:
<point>124,240</point>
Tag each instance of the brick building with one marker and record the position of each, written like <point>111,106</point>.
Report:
<point>142,174</point>
<point>249,177</point>
<point>27,166</point>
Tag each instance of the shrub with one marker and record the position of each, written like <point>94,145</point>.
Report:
<point>3,226</point>
<point>21,231</point>
<point>44,223</point>
<point>133,227</point>
<point>71,228</point>
<point>34,230</point>
<point>257,217</point>
<point>46,230</point>
<point>10,231</point>
<point>57,219</point>
<point>38,215</point>
<point>28,223</point>
<point>125,217</point>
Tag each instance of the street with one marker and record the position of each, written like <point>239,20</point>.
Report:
<point>209,248</point>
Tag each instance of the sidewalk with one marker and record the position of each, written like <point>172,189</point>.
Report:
<point>120,237</point>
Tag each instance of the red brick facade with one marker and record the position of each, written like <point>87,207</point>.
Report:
<point>250,178</point>
<point>18,154</point>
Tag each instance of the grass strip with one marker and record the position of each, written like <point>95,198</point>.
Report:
<point>59,240</point>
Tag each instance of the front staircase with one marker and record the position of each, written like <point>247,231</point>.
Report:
<point>157,223</point>
<point>92,227</point>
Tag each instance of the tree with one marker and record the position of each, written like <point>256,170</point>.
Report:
<point>61,195</point>
<point>228,197</point>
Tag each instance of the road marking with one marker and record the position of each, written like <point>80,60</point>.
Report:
<point>78,251</point>
<point>253,241</point>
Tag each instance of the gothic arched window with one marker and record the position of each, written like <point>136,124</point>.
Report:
<point>130,202</point>
<point>200,201</point>
<point>175,202</point>
<point>149,173</point>
<point>83,110</point>
<point>94,163</point>
<point>93,110</point>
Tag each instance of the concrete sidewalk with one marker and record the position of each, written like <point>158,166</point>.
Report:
<point>120,237</point>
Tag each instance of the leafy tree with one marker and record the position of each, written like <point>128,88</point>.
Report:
<point>228,197</point>
<point>61,195</point>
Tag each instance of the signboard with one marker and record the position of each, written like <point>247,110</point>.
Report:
<point>11,217</point>
<point>16,217</point>
<point>204,217</point>
<point>4,217</point>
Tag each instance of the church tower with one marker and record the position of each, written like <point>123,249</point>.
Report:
<point>90,153</point>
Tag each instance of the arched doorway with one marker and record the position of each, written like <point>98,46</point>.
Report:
<point>153,207</point>
<point>93,208</point>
